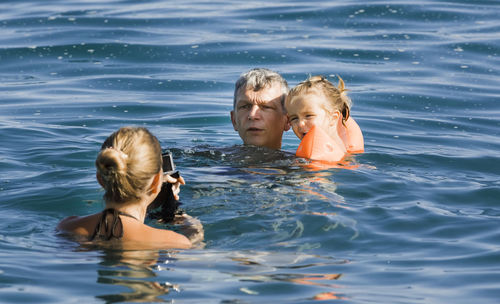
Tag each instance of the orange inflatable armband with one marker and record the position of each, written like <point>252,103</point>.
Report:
<point>317,145</point>
<point>355,142</point>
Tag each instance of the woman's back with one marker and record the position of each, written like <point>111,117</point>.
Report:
<point>105,226</point>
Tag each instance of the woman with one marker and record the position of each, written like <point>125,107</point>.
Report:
<point>129,168</point>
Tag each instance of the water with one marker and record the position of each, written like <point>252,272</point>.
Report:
<point>415,220</point>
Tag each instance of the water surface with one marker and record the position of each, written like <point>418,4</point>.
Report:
<point>413,220</point>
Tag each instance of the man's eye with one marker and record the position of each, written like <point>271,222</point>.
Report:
<point>245,107</point>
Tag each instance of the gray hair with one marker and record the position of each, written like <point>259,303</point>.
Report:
<point>259,78</point>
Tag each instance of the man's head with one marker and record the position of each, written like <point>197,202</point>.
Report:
<point>258,109</point>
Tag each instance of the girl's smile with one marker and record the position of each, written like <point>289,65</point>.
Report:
<point>306,111</point>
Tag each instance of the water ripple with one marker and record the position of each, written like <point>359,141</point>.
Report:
<point>414,221</point>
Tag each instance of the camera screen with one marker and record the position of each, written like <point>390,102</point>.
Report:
<point>168,162</point>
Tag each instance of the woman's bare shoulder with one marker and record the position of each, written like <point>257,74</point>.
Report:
<point>165,238</point>
<point>81,225</point>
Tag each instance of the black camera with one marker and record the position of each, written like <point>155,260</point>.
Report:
<point>168,164</point>
<point>165,207</point>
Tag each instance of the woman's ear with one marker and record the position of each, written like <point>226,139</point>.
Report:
<point>156,183</point>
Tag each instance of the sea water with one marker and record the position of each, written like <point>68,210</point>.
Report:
<point>414,219</point>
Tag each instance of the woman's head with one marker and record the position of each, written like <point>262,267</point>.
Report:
<point>316,101</point>
<point>128,160</point>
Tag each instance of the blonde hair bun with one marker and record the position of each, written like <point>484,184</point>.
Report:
<point>111,161</point>
<point>129,158</point>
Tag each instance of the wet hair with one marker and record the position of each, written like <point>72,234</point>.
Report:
<point>128,159</point>
<point>337,97</point>
<point>258,79</point>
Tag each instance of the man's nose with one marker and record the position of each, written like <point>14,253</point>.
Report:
<point>254,112</point>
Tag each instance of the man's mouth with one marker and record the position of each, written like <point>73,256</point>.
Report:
<point>254,129</point>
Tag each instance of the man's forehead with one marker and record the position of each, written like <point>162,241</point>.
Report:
<point>265,95</point>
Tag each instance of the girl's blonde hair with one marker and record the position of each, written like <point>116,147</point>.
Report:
<point>128,159</point>
<point>337,96</point>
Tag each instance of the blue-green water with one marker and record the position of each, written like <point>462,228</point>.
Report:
<point>416,222</point>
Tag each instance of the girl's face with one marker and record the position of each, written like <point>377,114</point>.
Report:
<point>307,110</point>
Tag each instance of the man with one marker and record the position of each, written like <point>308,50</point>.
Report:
<point>258,108</point>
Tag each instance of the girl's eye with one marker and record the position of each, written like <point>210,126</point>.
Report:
<point>293,119</point>
<point>310,116</point>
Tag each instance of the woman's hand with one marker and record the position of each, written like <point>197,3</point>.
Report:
<point>192,228</point>
<point>176,184</point>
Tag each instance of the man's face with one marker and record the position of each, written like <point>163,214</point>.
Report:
<point>259,117</point>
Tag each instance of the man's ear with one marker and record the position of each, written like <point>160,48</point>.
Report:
<point>99,179</point>
<point>287,124</point>
<point>233,120</point>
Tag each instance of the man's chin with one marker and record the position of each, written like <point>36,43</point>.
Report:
<point>261,140</point>
<point>253,142</point>
<point>262,143</point>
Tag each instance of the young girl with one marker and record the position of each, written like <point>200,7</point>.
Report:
<point>129,168</point>
<point>317,105</point>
